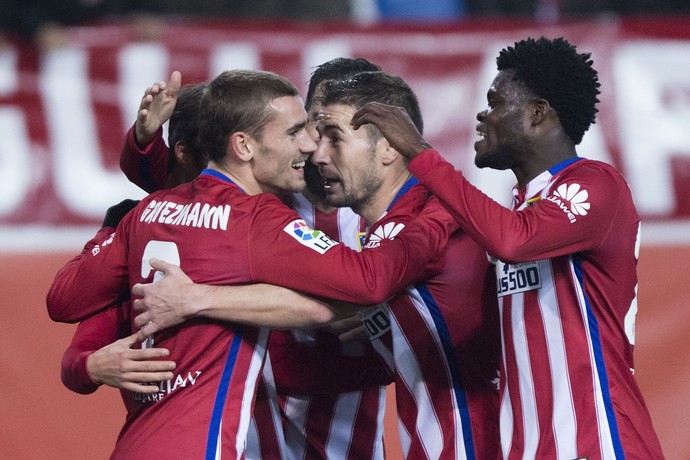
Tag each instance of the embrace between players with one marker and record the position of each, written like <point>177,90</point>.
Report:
<point>526,353</point>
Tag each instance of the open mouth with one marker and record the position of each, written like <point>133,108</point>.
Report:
<point>329,182</point>
<point>299,165</point>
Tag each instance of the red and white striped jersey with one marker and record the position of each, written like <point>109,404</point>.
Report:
<point>443,345</point>
<point>566,259</point>
<point>335,425</point>
<point>332,394</point>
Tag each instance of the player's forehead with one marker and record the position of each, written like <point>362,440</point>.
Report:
<point>287,112</point>
<point>336,116</point>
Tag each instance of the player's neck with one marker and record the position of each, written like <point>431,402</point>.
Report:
<point>374,209</point>
<point>241,176</point>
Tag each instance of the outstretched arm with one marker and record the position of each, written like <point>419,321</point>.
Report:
<point>175,298</point>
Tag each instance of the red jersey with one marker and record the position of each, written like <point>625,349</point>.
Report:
<point>149,167</point>
<point>443,344</point>
<point>567,283</point>
<point>304,358</point>
<point>202,225</point>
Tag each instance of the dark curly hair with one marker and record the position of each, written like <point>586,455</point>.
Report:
<point>555,71</point>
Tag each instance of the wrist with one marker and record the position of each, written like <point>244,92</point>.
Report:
<point>143,139</point>
<point>195,302</point>
<point>424,146</point>
<point>88,366</point>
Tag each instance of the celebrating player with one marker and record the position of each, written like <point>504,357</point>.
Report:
<point>253,126</point>
<point>565,255</point>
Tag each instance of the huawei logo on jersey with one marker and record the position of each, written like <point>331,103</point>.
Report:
<point>571,200</point>
<point>385,232</point>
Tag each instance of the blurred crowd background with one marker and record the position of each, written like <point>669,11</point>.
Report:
<point>43,22</point>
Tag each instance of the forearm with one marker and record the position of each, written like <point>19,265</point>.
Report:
<point>257,304</point>
<point>539,231</point>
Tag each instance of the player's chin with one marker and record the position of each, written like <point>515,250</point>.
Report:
<point>297,185</point>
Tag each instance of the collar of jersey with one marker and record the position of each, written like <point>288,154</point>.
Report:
<point>219,175</point>
<point>536,185</point>
<point>563,164</point>
<point>411,182</point>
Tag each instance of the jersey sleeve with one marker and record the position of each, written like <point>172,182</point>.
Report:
<point>148,167</point>
<point>86,284</point>
<point>293,255</point>
<point>92,334</point>
<point>543,230</point>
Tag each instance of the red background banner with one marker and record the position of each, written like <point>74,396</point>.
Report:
<point>63,116</point>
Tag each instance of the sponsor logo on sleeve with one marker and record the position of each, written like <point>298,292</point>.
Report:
<point>385,232</point>
<point>313,239</point>
<point>571,199</point>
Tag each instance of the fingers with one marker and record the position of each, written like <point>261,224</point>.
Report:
<point>365,115</point>
<point>358,334</point>
<point>140,388</point>
<point>141,381</point>
<point>130,341</point>
<point>138,291</point>
<point>147,329</point>
<point>162,266</point>
<point>175,82</point>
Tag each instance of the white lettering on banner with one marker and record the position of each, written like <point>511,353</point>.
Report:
<point>318,52</point>
<point>228,56</point>
<point>140,65</point>
<point>81,180</point>
<point>52,154</point>
<point>9,77</point>
<point>651,128</point>
<point>15,160</point>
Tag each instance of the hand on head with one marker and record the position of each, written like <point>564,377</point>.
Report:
<point>395,125</point>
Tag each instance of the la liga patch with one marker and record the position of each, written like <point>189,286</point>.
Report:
<point>313,239</point>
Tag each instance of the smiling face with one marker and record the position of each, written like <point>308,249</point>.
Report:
<point>502,127</point>
<point>284,147</point>
<point>346,158</point>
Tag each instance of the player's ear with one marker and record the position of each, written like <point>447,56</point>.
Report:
<point>540,111</point>
<point>389,154</point>
<point>180,153</point>
<point>242,146</point>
